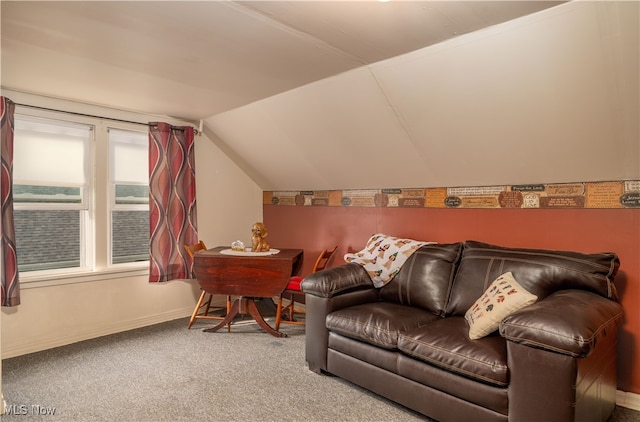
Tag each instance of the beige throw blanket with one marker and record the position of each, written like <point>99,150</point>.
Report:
<point>383,256</point>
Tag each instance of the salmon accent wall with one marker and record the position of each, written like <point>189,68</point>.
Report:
<point>588,230</point>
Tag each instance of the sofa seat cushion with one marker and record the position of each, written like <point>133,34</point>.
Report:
<point>377,323</point>
<point>375,355</point>
<point>445,343</point>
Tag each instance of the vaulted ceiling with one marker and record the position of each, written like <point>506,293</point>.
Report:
<point>195,59</point>
<point>354,94</point>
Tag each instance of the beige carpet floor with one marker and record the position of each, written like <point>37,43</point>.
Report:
<point>168,373</point>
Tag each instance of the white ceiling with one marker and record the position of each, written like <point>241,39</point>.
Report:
<point>195,59</point>
<point>314,95</point>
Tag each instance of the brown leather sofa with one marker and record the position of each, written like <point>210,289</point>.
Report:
<point>554,360</point>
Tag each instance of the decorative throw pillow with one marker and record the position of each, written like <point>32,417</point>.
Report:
<point>502,298</point>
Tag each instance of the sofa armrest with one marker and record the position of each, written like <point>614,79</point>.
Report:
<point>327,291</point>
<point>568,322</point>
<point>336,280</point>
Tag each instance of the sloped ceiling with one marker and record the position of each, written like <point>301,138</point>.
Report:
<point>355,94</point>
<point>549,98</point>
<point>195,59</point>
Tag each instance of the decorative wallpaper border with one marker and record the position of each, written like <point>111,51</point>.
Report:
<point>618,194</point>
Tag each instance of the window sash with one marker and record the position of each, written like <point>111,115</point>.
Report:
<point>51,189</point>
<point>129,196</point>
<point>65,248</point>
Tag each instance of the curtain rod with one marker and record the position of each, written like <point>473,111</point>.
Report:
<point>95,116</point>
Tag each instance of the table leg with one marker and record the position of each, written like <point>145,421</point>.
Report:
<point>235,307</point>
<point>255,313</point>
<point>244,305</point>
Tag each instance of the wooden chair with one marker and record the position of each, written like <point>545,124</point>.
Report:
<point>204,301</point>
<point>294,293</point>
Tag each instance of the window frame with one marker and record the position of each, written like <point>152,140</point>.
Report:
<point>95,209</point>
<point>85,207</point>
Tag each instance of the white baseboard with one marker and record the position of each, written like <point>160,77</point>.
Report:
<point>628,400</point>
<point>45,343</point>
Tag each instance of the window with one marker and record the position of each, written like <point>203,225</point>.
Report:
<point>130,196</point>
<point>51,194</point>
<point>81,196</point>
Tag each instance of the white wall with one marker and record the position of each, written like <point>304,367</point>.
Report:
<point>229,202</point>
<point>62,311</point>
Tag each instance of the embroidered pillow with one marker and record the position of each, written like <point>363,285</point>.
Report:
<point>502,298</point>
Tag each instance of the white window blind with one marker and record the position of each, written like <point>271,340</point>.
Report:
<point>130,156</point>
<point>54,153</point>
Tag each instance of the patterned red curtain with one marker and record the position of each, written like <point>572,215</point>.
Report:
<point>9,264</point>
<point>172,200</point>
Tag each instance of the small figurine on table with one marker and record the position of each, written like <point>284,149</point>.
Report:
<point>258,239</point>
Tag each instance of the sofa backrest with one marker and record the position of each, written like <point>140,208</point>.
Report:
<point>539,271</point>
<point>425,278</point>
